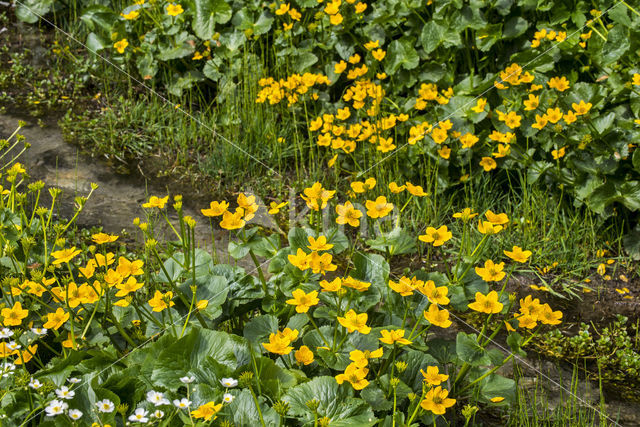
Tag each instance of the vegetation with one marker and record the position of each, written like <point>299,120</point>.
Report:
<point>419,162</point>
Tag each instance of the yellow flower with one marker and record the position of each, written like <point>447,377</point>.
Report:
<point>437,401</point>
<point>128,268</point>
<point>355,376</point>
<point>559,153</point>
<point>121,45</point>
<point>300,259</point>
<point>570,117</point>
<point>316,196</point>
<point>64,255</point>
<point>355,284</point>
<point>294,14</point>
<point>215,209</point>
<point>360,7</point>
<point>512,120</point>
<point>541,122</point>
<point>339,67</point>
<point>487,303</point>
<point>444,152</point>
<point>303,301</point>
<point>321,263</point>
<point>415,190</point>
<point>156,202</point>
<point>348,214</point>
<point>581,108</point>
<point>403,286</point>
<point>467,140</point>
<point>554,115</point>
<point>395,188</point>
<point>320,244</point>
<point>279,343</point>
<point>487,227</point>
<point>131,15</point>
<point>497,219</point>
<point>559,83</point>
<point>436,237</point>
<point>488,164</point>
<point>437,317</point>
<point>374,44</point>
<point>518,255</point>
<point>480,104</point>
<point>207,411</point>
<point>550,317</point>
<point>131,285</point>
<point>304,355</point>
<point>101,238</point>
<point>57,319</point>
<point>378,208</point>
<point>282,9</point>
<point>532,103</point>
<point>233,221</point>
<point>465,215</point>
<point>361,187</point>
<point>202,304</point>
<point>159,301</point>
<point>26,355</point>
<point>361,358</point>
<point>248,205</point>
<point>393,336</point>
<point>379,54</point>
<point>13,316</point>
<point>355,322</point>
<point>336,19</point>
<point>491,272</point>
<point>433,376</point>
<point>334,286</point>
<point>174,9</point>
<point>435,294</point>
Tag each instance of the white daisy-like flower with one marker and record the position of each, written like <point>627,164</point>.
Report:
<point>5,333</point>
<point>157,414</point>
<point>74,380</point>
<point>157,398</point>
<point>187,379</point>
<point>12,345</point>
<point>229,382</point>
<point>75,414</point>
<point>64,393</point>
<point>182,403</point>
<point>39,331</point>
<point>228,398</point>
<point>55,407</point>
<point>105,406</point>
<point>35,384</point>
<point>140,416</point>
<point>7,368</point>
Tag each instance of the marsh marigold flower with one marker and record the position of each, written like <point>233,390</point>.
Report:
<point>56,319</point>
<point>433,376</point>
<point>174,9</point>
<point>491,272</point>
<point>487,303</point>
<point>13,316</point>
<point>393,336</point>
<point>437,317</point>
<point>279,343</point>
<point>355,376</point>
<point>488,164</point>
<point>559,83</point>
<point>378,208</point>
<point>156,202</point>
<point>316,196</point>
<point>215,209</point>
<point>233,221</point>
<point>518,255</point>
<point>102,238</point>
<point>64,255</point>
<point>303,301</point>
<point>465,215</point>
<point>353,321</point>
<point>207,411</point>
<point>121,45</point>
<point>436,400</point>
<point>403,286</point>
<point>435,294</point>
<point>159,301</point>
<point>361,358</point>
<point>348,214</point>
<point>304,355</point>
<point>361,187</point>
<point>437,237</point>
<point>319,244</point>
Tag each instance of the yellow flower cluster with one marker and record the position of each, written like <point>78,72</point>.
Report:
<point>513,75</point>
<point>289,89</point>
<point>429,92</point>
<point>550,35</point>
<point>247,207</point>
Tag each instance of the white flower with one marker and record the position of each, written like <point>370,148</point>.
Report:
<point>188,379</point>
<point>5,333</point>
<point>182,403</point>
<point>55,407</point>
<point>140,415</point>
<point>13,345</point>
<point>74,380</point>
<point>75,414</point>
<point>157,398</point>
<point>39,331</point>
<point>157,414</point>
<point>228,398</point>
<point>105,405</point>
<point>35,384</point>
<point>229,382</point>
<point>7,368</point>
<point>64,393</point>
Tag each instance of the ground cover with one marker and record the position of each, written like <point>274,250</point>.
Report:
<point>365,135</point>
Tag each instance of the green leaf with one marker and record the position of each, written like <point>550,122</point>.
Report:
<point>401,53</point>
<point>304,60</point>
<point>515,340</point>
<point>515,27</point>
<point>188,355</point>
<point>181,46</point>
<point>244,411</point>
<point>184,81</point>
<point>372,268</point>
<point>334,401</point>
<point>432,36</point>
<point>238,250</point>
<point>29,11</point>
<point>398,241</point>
<point>206,14</point>
<point>469,351</point>
<point>498,386</point>
<point>635,160</point>
<point>631,242</point>
<point>257,330</point>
